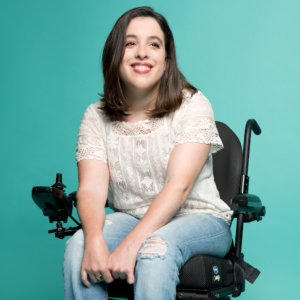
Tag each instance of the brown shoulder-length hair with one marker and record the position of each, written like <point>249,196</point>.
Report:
<point>172,81</point>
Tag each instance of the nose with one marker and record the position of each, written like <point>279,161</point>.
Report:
<point>141,52</point>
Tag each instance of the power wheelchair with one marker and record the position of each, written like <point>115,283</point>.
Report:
<point>202,277</point>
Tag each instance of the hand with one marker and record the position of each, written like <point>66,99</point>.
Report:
<point>95,262</point>
<point>122,261</point>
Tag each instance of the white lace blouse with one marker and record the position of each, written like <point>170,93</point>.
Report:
<point>137,154</point>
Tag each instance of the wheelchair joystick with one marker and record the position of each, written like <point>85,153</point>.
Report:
<point>58,183</point>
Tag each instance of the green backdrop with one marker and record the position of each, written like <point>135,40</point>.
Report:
<point>243,55</point>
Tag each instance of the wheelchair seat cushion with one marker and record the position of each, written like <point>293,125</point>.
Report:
<point>206,272</point>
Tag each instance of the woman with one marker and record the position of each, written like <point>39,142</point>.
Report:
<point>146,146</point>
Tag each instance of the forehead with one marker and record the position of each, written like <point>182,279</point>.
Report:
<point>144,27</point>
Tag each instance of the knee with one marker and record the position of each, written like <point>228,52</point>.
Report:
<point>154,247</point>
<point>157,266</point>
<point>152,260</point>
<point>158,256</point>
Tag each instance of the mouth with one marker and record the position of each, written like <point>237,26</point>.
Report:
<point>141,68</point>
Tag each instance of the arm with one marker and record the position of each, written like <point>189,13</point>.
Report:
<point>91,198</point>
<point>185,163</point>
<point>93,174</point>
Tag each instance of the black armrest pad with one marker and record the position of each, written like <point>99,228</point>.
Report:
<point>250,205</point>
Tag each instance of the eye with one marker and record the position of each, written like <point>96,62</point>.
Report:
<point>155,45</point>
<point>130,44</point>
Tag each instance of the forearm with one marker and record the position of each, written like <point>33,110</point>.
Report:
<point>91,212</point>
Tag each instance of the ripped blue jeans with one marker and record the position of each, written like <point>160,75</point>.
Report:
<point>159,259</point>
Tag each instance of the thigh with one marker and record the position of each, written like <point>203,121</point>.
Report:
<point>116,227</point>
<point>166,250</point>
<point>194,234</point>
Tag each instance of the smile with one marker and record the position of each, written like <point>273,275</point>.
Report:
<point>141,68</point>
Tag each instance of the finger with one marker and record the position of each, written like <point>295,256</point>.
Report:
<point>107,276</point>
<point>116,274</point>
<point>130,278</point>
<point>98,276</point>
<point>84,278</point>
<point>122,275</point>
<point>119,275</point>
<point>92,276</point>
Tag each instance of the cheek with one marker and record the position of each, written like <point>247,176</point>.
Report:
<point>125,59</point>
<point>162,61</point>
<point>123,72</point>
<point>123,64</point>
<point>126,56</point>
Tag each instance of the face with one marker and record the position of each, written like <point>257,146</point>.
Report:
<point>144,60</point>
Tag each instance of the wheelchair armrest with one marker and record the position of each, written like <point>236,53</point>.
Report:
<point>250,206</point>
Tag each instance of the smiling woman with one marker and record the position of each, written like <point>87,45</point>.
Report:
<point>144,60</point>
<point>136,35</point>
<point>146,146</point>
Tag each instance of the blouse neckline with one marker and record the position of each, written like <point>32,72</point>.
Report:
<point>142,127</point>
<point>136,122</point>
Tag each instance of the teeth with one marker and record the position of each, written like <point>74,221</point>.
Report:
<point>141,67</point>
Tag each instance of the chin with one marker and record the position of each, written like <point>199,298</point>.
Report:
<point>146,88</point>
<point>144,85</point>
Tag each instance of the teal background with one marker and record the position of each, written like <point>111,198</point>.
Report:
<point>243,55</point>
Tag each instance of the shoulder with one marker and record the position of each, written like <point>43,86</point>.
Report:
<point>197,98</point>
<point>194,122</point>
<point>194,104</point>
<point>95,114</point>
<point>93,120</point>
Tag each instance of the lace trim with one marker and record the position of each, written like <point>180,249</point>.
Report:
<point>89,146</point>
<point>90,153</point>
<point>136,128</point>
<point>202,130</point>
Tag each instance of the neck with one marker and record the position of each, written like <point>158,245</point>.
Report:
<point>141,100</point>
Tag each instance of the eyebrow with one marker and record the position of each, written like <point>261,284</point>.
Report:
<point>150,37</point>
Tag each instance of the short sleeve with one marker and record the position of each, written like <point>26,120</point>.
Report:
<point>91,136</point>
<point>194,123</point>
